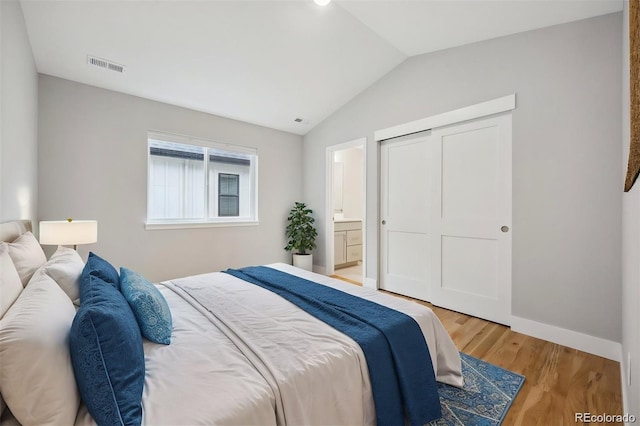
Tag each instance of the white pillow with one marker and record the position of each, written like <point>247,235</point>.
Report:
<point>27,256</point>
<point>65,267</point>
<point>10,284</point>
<point>36,375</point>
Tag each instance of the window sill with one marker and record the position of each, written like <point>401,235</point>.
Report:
<point>154,226</point>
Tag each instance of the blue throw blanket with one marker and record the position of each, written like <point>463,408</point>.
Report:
<point>400,369</point>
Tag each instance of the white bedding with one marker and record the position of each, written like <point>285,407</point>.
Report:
<point>200,378</point>
<point>444,355</point>
<point>242,355</point>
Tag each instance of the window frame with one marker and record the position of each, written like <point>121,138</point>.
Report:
<point>211,148</point>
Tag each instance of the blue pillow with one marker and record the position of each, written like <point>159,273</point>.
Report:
<point>98,267</point>
<point>106,354</point>
<point>148,305</point>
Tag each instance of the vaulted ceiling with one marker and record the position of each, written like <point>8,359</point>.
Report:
<point>268,62</point>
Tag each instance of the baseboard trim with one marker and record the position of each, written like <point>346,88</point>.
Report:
<point>572,339</point>
<point>623,383</point>
<point>319,269</point>
<point>370,283</point>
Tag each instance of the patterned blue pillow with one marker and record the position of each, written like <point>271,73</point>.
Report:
<point>148,305</point>
<point>106,354</point>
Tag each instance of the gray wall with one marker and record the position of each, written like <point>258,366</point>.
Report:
<point>93,165</point>
<point>18,118</point>
<point>630,250</point>
<point>566,158</point>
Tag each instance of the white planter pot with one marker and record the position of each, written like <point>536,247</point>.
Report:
<point>303,261</point>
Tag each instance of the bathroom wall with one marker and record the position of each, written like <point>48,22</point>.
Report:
<point>352,182</point>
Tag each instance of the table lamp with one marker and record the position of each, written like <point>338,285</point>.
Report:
<point>68,232</point>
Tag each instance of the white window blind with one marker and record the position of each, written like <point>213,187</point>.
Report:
<point>194,181</point>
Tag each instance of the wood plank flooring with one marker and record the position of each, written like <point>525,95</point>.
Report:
<point>560,381</point>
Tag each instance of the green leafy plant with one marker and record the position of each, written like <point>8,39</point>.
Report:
<point>300,230</point>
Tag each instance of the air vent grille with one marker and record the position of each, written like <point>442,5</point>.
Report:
<point>105,64</point>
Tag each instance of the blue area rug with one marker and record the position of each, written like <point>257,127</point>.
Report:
<point>485,399</point>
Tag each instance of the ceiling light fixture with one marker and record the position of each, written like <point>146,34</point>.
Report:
<point>322,2</point>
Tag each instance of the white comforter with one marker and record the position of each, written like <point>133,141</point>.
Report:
<point>242,355</point>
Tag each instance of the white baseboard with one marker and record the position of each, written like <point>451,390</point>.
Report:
<point>573,339</point>
<point>319,269</point>
<point>623,382</point>
<point>370,283</point>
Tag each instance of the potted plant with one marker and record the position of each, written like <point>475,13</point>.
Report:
<point>302,235</point>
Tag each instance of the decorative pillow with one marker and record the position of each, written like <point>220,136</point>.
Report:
<point>106,352</point>
<point>148,305</point>
<point>100,268</point>
<point>10,283</point>
<point>65,267</point>
<point>27,256</point>
<point>36,376</point>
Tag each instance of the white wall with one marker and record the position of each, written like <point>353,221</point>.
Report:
<point>93,165</point>
<point>630,251</point>
<point>352,188</point>
<point>566,158</point>
<point>18,118</point>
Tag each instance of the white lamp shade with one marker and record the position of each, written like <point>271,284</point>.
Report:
<point>64,232</point>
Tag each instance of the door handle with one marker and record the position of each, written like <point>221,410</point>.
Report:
<point>384,222</point>
<point>504,229</point>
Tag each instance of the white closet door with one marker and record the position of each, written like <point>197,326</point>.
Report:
<point>404,238</point>
<point>471,218</point>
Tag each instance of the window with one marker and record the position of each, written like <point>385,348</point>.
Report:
<point>228,195</point>
<point>196,182</point>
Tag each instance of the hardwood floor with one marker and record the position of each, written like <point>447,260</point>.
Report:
<point>559,382</point>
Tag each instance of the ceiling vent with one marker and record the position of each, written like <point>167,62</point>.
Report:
<point>105,64</point>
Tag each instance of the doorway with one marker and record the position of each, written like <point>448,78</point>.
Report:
<point>345,226</point>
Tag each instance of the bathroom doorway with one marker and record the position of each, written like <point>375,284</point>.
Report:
<point>346,211</point>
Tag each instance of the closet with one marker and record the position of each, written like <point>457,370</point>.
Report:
<point>445,216</point>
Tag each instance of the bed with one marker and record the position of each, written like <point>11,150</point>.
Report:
<point>239,354</point>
